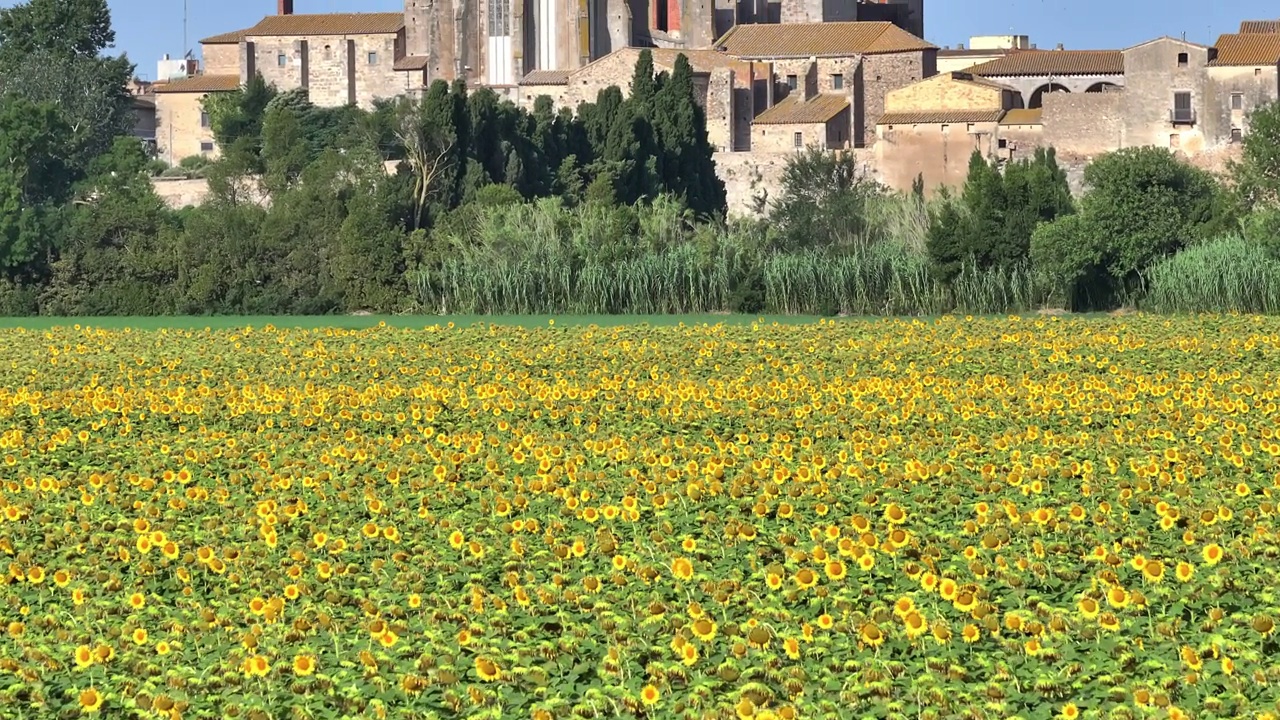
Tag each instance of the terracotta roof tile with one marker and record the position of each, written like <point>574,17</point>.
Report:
<point>1247,49</point>
<point>828,39</point>
<point>199,84</point>
<point>1029,116</point>
<point>409,63</point>
<point>796,111</point>
<point>329,24</point>
<point>1260,26</point>
<point>938,117</point>
<point>1054,62</point>
<point>227,38</point>
<point>546,77</point>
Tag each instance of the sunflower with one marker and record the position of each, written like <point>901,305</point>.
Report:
<point>689,654</point>
<point>1191,658</point>
<point>948,589</point>
<point>83,656</point>
<point>139,636</point>
<point>894,514</point>
<point>915,625</point>
<point>806,578</point>
<point>1212,554</point>
<point>903,606</point>
<point>649,695</point>
<point>1153,571</point>
<point>682,568</point>
<point>871,634</point>
<point>457,539</point>
<point>826,622</point>
<point>137,601</point>
<point>304,665</point>
<point>1184,571</point>
<point>1088,607</point>
<point>163,647</point>
<point>971,634</point>
<point>1069,712</point>
<point>792,647</point>
<point>941,632</point>
<point>486,669</point>
<point>704,629</point>
<point>90,700</point>
<point>1117,597</point>
<point>1109,621</point>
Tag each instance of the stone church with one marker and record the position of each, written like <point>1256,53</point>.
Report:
<point>498,42</point>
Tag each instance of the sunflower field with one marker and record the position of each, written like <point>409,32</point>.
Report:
<point>951,518</point>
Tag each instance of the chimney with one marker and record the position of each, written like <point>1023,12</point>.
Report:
<point>1059,47</point>
<point>284,7</point>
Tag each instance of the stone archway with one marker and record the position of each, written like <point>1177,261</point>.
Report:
<point>1036,99</point>
<point>1100,87</point>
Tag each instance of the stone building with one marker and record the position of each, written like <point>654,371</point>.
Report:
<point>1192,99</point>
<point>722,86</point>
<point>1034,73</point>
<point>182,126</point>
<point>861,61</point>
<point>982,48</point>
<point>930,129</point>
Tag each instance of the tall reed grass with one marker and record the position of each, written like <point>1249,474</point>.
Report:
<point>1225,275</point>
<point>543,258</point>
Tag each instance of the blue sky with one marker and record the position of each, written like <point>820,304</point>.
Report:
<point>146,29</point>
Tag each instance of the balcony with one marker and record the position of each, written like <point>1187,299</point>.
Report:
<point>1182,116</point>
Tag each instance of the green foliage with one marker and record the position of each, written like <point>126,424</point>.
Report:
<point>34,181</point>
<point>1257,174</point>
<point>72,28</point>
<point>1229,274</point>
<point>997,214</point>
<point>823,201</point>
<point>239,114</point>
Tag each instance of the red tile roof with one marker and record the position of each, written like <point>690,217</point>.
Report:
<point>939,117</point>
<point>329,24</point>
<point>827,39</point>
<point>1246,49</point>
<point>199,84</point>
<point>796,110</point>
<point>227,38</point>
<point>1054,62</point>
<point>1260,26</point>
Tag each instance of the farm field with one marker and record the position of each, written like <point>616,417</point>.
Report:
<point>945,518</point>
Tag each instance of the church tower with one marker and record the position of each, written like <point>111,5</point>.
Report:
<point>496,42</point>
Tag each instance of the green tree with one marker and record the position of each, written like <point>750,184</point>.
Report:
<point>34,182</point>
<point>72,28</point>
<point>51,51</point>
<point>239,113</point>
<point>1142,204</point>
<point>1257,173</point>
<point>823,201</point>
<point>285,153</point>
<point>119,252</point>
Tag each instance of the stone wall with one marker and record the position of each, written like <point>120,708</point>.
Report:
<point>1083,125</point>
<point>335,69</point>
<point>938,152</point>
<point>943,92</point>
<point>1152,76</point>
<point>1256,86</point>
<point>221,59</point>
<point>781,137</point>
<point>881,74</point>
<point>180,132</point>
<point>719,108</point>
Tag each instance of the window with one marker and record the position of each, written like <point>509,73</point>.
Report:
<point>1237,101</point>
<point>946,128</point>
<point>971,127</point>
<point>206,146</point>
<point>373,58</point>
<point>1182,112</point>
<point>793,82</point>
<point>1183,59</point>
<point>204,119</point>
<point>282,60</point>
<point>798,140</point>
<point>1236,135</point>
<point>499,18</point>
<point>837,81</point>
<point>1175,141</point>
<point>661,16</point>
<point>1002,143</point>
